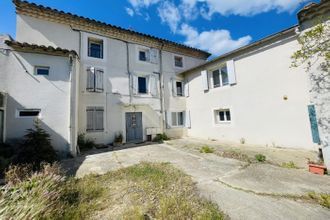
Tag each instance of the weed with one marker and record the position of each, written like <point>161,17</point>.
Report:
<point>242,140</point>
<point>289,165</point>
<point>260,158</point>
<point>321,198</point>
<point>206,149</point>
<point>235,155</point>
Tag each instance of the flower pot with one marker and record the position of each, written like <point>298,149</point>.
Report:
<point>317,168</point>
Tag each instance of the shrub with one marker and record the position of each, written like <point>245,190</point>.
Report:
<point>85,143</point>
<point>160,138</point>
<point>119,138</point>
<point>206,149</point>
<point>260,157</point>
<point>33,196</point>
<point>290,165</point>
<point>35,148</point>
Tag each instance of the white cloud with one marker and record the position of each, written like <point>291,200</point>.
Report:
<point>214,41</point>
<point>130,11</point>
<point>170,15</point>
<point>136,4</point>
<point>249,7</point>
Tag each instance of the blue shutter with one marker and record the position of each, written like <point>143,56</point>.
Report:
<point>314,126</point>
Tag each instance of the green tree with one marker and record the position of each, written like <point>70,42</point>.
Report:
<point>36,147</point>
<point>315,44</point>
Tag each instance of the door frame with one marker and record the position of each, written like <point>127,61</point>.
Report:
<point>136,140</point>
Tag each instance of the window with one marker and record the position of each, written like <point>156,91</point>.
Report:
<point>178,61</point>
<point>95,48</point>
<point>220,77</point>
<point>142,85</point>
<point>143,55</point>
<point>42,70</point>
<point>179,89</point>
<point>177,118</point>
<point>95,119</point>
<point>222,115</point>
<point>24,113</point>
<point>94,80</point>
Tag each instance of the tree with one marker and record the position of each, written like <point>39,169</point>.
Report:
<point>315,44</point>
<point>36,148</point>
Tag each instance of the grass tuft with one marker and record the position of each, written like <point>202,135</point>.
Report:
<point>289,165</point>
<point>260,158</point>
<point>322,198</point>
<point>206,149</point>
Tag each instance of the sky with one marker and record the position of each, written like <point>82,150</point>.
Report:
<point>216,26</point>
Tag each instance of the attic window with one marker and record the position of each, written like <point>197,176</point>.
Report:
<point>178,61</point>
<point>95,48</point>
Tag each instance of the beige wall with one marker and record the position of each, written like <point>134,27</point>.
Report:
<point>260,115</point>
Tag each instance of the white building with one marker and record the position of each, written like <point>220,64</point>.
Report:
<point>121,81</point>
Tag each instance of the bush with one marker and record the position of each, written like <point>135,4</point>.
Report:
<point>160,138</point>
<point>85,143</point>
<point>32,196</point>
<point>206,149</point>
<point>36,148</point>
<point>260,157</point>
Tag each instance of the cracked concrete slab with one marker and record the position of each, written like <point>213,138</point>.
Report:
<point>206,169</point>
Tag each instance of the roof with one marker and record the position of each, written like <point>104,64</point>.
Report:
<point>313,10</point>
<point>230,55</point>
<point>33,48</point>
<point>87,24</point>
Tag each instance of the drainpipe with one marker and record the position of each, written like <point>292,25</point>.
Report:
<point>129,74</point>
<point>161,86</point>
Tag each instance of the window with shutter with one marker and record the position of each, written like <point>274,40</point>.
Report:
<point>177,119</point>
<point>220,77</point>
<point>95,119</point>
<point>95,80</point>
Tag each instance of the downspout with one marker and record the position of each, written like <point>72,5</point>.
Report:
<point>161,86</point>
<point>129,74</point>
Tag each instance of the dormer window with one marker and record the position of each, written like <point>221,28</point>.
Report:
<point>178,61</point>
<point>95,48</point>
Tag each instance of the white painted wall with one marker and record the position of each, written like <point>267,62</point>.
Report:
<point>116,97</point>
<point>260,115</point>
<point>26,90</point>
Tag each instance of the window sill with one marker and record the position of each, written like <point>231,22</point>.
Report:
<point>178,126</point>
<point>226,123</point>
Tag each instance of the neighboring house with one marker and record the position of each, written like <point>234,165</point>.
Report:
<point>253,95</point>
<point>121,81</point>
<point>36,82</point>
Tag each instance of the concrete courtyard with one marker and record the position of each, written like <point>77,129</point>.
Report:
<point>242,190</point>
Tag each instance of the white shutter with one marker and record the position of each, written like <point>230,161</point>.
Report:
<point>168,119</point>
<point>186,88</point>
<point>98,80</point>
<point>90,119</point>
<point>148,55</point>
<point>187,119</point>
<point>99,119</point>
<point>135,84</point>
<point>231,72</point>
<point>205,82</point>
<point>153,55</point>
<point>174,87</point>
<point>153,85</point>
<point>90,79</point>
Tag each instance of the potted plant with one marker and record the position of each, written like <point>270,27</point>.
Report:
<point>118,139</point>
<point>316,167</point>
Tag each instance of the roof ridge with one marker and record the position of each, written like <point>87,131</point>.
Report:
<point>18,4</point>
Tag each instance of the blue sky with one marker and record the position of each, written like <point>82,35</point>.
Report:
<point>216,26</point>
